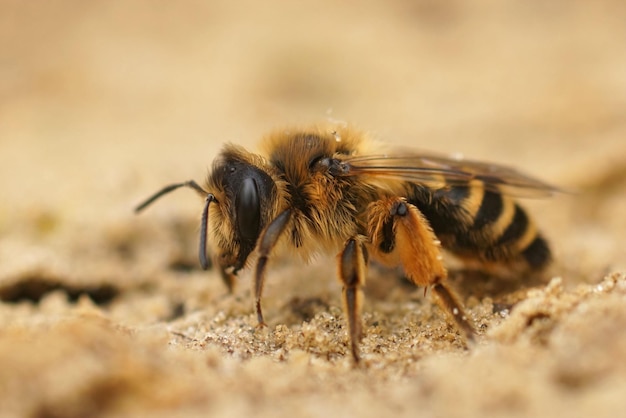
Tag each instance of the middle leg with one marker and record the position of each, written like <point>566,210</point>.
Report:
<point>352,270</point>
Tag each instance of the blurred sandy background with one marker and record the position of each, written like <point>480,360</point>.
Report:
<point>103,313</point>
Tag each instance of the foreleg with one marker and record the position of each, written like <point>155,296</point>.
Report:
<point>268,240</point>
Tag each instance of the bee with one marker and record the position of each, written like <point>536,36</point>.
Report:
<point>333,190</point>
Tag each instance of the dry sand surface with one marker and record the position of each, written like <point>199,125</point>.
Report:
<point>104,313</point>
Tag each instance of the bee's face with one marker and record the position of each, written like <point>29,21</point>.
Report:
<point>246,194</point>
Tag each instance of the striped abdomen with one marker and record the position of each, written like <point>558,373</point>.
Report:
<point>482,225</point>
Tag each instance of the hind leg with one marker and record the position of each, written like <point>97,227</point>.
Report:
<point>401,236</point>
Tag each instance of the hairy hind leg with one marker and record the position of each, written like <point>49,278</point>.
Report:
<point>401,236</point>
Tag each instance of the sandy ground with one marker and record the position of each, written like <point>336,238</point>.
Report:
<point>103,313</point>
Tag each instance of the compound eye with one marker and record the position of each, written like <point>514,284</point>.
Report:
<point>248,209</point>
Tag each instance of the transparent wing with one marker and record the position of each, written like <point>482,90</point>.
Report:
<point>438,171</point>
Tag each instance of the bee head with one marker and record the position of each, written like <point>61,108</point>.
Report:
<point>247,196</point>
